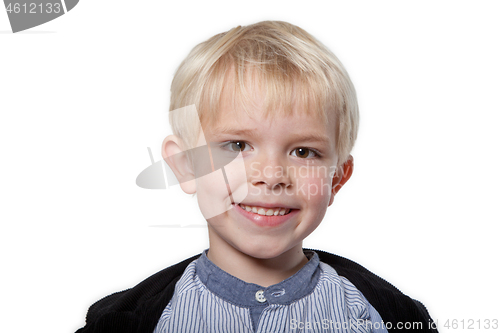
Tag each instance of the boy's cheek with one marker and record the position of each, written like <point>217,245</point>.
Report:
<point>236,177</point>
<point>314,189</point>
<point>217,190</point>
<point>212,193</point>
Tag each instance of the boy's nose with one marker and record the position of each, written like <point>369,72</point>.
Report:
<point>270,171</point>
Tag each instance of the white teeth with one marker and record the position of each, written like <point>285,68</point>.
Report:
<point>266,211</point>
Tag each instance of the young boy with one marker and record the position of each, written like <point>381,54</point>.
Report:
<point>264,119</point>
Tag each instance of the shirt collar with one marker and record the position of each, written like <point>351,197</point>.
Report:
<point>241,293</point>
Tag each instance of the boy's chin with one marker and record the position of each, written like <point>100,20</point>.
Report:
<point>266,252</point>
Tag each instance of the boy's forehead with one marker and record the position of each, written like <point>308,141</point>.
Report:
<point>249,98</point>
<point>233,107</point>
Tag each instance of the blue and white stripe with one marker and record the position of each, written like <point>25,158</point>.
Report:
<point>334,305</point>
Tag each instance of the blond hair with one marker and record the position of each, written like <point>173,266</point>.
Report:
<point>290,67</point>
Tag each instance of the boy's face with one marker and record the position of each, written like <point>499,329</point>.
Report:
<point>289,163</point>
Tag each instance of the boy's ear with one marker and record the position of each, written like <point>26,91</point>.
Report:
<point>341,177</point>
<point>177,160</point>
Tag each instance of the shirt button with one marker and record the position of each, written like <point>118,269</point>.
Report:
<point>259,296</point>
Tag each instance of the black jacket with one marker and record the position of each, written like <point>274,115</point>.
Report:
<point>138,309</point>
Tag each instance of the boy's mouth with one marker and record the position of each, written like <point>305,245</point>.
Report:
<point>266,211</point>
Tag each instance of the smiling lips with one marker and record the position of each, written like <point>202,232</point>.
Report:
<point>266,211</point>
<point>266,217</point>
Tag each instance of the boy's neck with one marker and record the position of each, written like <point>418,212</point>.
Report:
<point>263,272</point>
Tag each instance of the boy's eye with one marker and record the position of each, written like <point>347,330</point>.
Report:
<point>236,145</point>
<point>304,153</point>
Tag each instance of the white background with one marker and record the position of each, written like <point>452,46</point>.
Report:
<point>83,96</point>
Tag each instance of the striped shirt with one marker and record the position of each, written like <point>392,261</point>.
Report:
<point>315,299</point>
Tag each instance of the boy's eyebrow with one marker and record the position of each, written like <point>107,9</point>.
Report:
<point>233,131</point>
<point>309,137</point>
<point>312,137</point>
